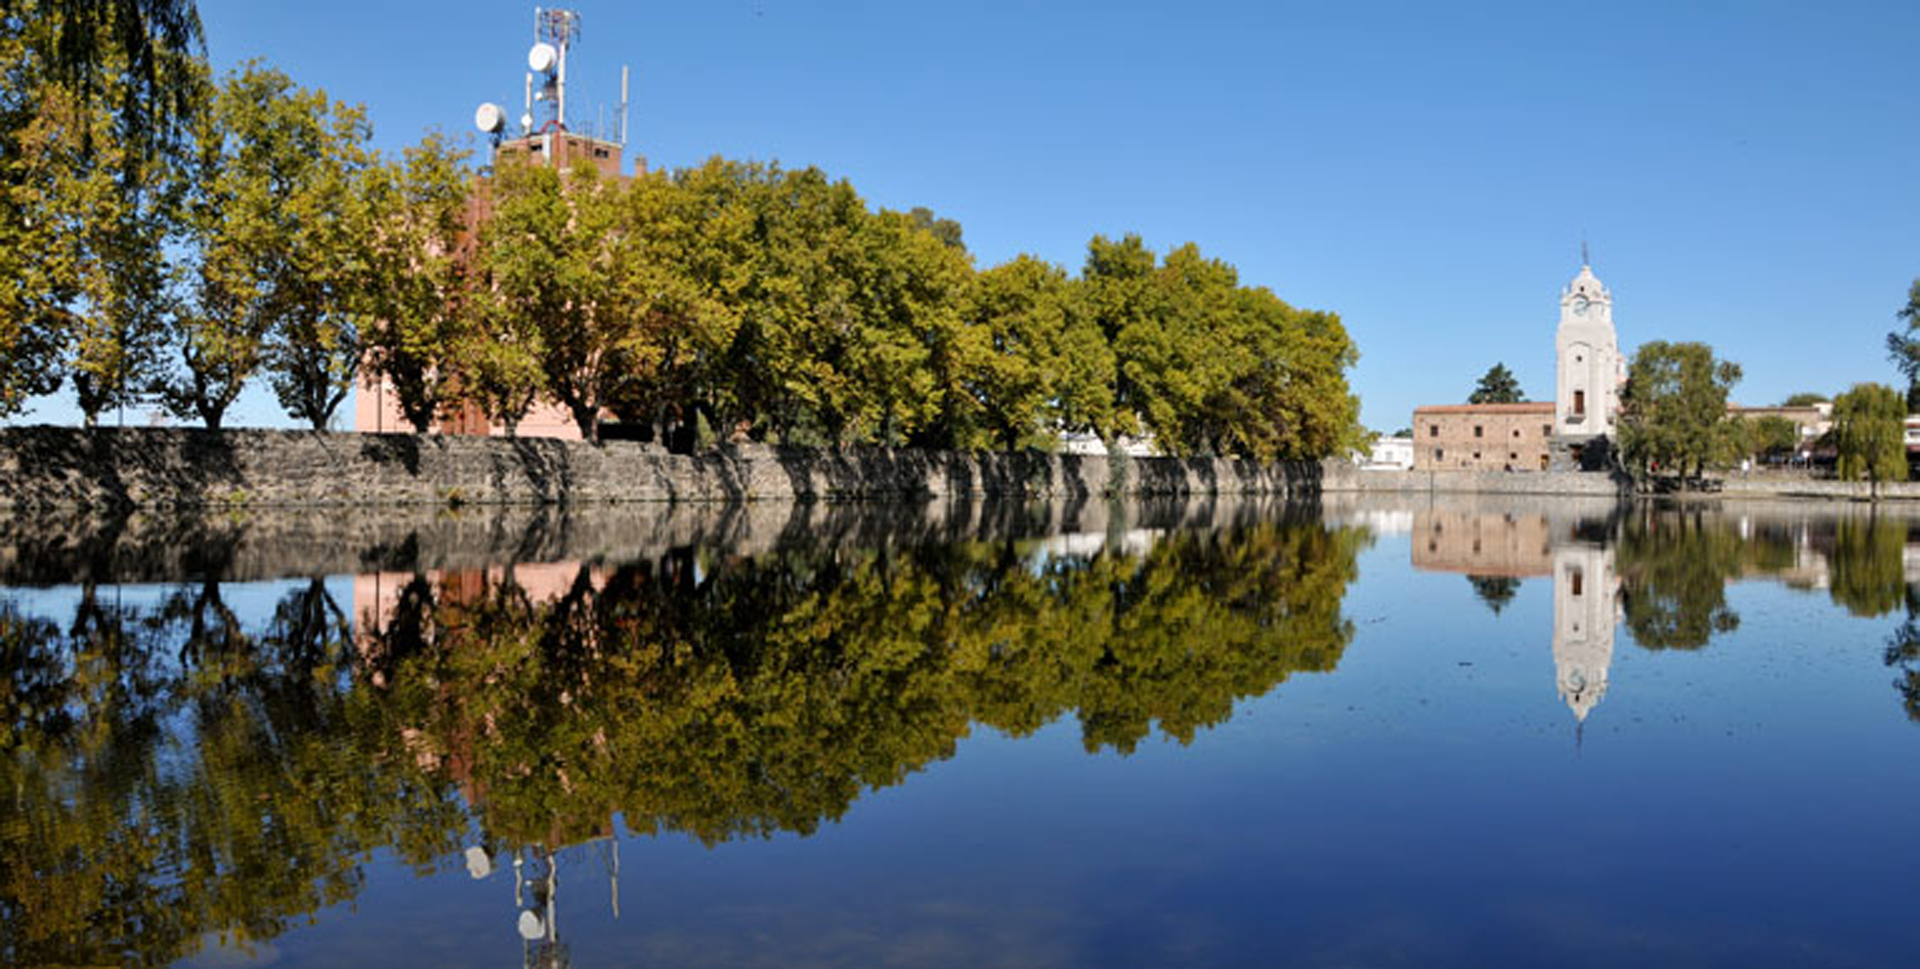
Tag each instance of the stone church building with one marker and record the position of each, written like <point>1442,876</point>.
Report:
<point>1570,432</point>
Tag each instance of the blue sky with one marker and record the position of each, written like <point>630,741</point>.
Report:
<point>1748,174</point>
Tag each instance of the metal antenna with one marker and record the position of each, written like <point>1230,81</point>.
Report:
<point>1584,261</point>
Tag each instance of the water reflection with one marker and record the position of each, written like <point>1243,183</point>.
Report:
<point>183,772</point>
<point>1663,571</point>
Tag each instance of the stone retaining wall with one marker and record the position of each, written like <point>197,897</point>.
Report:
<point>59,467</point>
<point>1342,477</point>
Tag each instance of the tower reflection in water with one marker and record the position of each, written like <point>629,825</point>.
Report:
<point>1497,550</point>
<point>1663,571</point>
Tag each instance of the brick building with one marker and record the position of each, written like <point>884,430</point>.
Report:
<point>1483,437</point>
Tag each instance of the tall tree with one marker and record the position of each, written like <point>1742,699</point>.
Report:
<point>218,311</point>
<point>1903,348</point>
<point>1805,398</point>
<point>118,209</point>
<point>1040,363</point>
<point>87,172</point>
<point>419,217</point>
<point>121,55</point>
<point>1674,409</point>
<point>1497,386</point>
<point>517,291</point>
<point>1869,432</point>
<point>563,256</point>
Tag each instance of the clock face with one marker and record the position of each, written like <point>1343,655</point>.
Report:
<point>1580,306</point>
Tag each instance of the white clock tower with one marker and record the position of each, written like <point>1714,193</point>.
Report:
<point>1589,371</point>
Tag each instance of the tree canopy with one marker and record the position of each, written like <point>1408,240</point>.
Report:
<point>1497,386</point>
<point>1869,434</point>
<point>1673,412</point>
<point>270,241</point>
<point>1903,348</point>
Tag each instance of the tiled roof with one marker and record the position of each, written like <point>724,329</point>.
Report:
<point>1530,407</point>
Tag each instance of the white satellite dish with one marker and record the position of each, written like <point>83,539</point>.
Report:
<point>489,118</point>
<point>478,864</point>
<point>542,57</point>
<point>531,928</point>
<point>526,121</point>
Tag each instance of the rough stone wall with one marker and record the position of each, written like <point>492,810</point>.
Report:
<point>57,467</point>
<point>1347,478</point>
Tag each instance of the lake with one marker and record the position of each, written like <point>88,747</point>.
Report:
<point>1419,731</point>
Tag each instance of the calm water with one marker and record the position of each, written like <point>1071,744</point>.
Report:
<point>1432,732</point>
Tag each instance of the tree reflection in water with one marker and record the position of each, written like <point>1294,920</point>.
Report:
<point>175,775</point>
<point>1674,564</point>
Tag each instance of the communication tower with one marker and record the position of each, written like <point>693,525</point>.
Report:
<point>544,128</point>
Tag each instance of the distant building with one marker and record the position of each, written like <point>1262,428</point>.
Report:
<point>1387,454</point>
<point>1588,374</point>
<point>1813,421</point>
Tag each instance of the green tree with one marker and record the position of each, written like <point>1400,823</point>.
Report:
<point>518,292</point>
<point>1903,349</point>
<point>291,237</point>
<point>419,213</point>
<point>1869,433</point>
<point>89,186</point>
<point>946,230</point>
<point>695,225</point>
<point>1771,435</point>
<point>1497,386</point>
<point>119,55</point>
<point>1497,591</point>
<point>1673,410</point>
<point>1209,366</point>
<point>1903,656</point>
<point>1674,568</point>
<point>1805,398</point>
<point>119,208</point>
<point>1867,565</point>
<point>1041,363</point>
<point>564,258</point>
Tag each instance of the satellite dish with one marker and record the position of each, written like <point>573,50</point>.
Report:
<point>478,864</point>
<point>542,57</point>
<point>526,121</point>
<point>489,118</point>
<point>531,928</point>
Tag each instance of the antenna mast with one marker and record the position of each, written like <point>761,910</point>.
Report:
<point>624,73</point>
<point>554,33</point>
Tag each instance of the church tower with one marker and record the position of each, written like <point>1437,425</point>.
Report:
<point>1585,603</point>
<point>1588,369</point>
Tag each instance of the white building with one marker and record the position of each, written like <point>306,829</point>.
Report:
<point>1585,612</point>
<point>1588,368</point>
<point>1387,454</point>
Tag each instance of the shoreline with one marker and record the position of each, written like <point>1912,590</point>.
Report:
<point>125,469</point>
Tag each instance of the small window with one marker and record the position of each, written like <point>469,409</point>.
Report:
<point>1574,580</point>
<point>1477,429</point>
<point>1476,455</point>
<point>1546,430</point>
<point>1516,432</point>
<point>1579,403</point>
<point>1433,430</point>
<point>1513,455</point>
